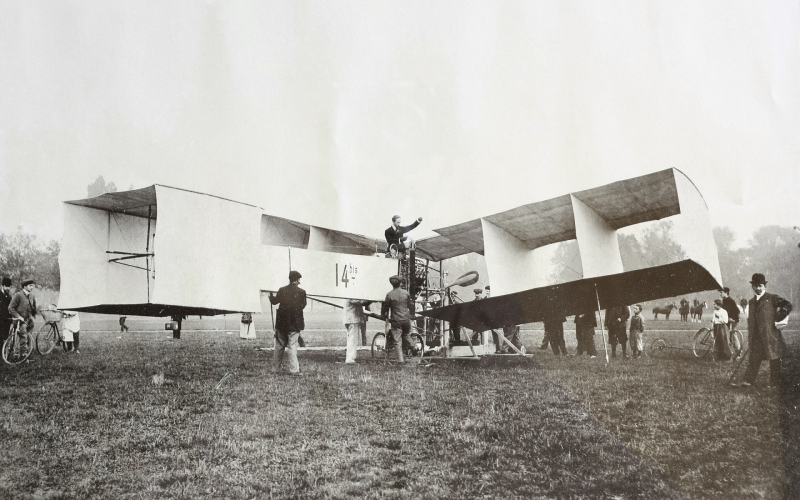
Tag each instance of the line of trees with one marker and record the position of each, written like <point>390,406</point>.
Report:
<point>23,256</point>
<point>772,250</point>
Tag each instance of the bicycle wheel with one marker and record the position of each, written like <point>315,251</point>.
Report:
<point>737,343</point>
<point>14,350</point>
<point>656,348</point>
<point>703,342</point>
<point>739,368</point>
<point>379,345</point>
<point>46,339</point>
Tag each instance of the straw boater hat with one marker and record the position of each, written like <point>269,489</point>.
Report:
<point>758,279</point>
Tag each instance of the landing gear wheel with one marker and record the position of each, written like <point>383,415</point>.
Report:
<point>656,348</point>
<point>46,339</point>
<point>703,343</point>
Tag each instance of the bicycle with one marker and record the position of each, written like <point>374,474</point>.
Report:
<point>704,343</point>
<point>13,351</point>
<point>49,335</point>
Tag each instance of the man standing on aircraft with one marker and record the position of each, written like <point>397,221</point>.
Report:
<point>617,323</point>
<point>23,306</point>
<point>395,234</point>
<point>396,307</point>
<point>767,312</point>
<point>289,323</point>
<point>5,301</point>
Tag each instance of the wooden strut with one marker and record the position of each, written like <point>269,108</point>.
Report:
<point>602,330</point>
<point>504,339</point>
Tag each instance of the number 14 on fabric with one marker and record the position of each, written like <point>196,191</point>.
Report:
<point>327,274</point>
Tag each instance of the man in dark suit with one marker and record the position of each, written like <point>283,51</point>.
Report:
<point>617,323</point>
<point>766,341</point>
<point>289,323</point>
<point>395,234</point>
<point>5,301</point>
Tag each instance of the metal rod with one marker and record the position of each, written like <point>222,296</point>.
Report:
<point>128,253</point>
<point>602,330</point>
<point>137,267</point>
<point>128,257</point>
<point>443,335</point>
<point>147,249</point>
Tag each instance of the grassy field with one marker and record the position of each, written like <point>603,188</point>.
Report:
<point>138,415</point>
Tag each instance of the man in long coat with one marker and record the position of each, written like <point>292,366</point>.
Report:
<point>766,341</point>
<point>617,324</point>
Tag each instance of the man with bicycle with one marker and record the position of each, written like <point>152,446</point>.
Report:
<point>729,304</point>
<point>23,307</point>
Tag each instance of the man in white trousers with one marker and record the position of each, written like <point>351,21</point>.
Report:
<point>355,321</point>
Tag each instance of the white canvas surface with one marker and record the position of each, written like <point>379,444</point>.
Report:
<point>342,275</point>
<point>207,249</point>
<point>86,275</point>
<point>597,241</point>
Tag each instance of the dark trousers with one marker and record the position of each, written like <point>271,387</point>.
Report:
<point>5,326</point>
<point>754,363</point>
<point>557,342</point>
<point>76,341</point>
<point>585,338</point>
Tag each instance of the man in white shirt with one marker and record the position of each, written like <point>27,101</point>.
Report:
<point>355,321</point>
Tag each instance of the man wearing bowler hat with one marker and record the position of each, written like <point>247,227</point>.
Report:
<point>767,312</point>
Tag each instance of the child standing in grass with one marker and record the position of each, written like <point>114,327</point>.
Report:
<point>637,329</point>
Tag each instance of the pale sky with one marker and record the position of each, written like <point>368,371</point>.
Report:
<point>341,114</point>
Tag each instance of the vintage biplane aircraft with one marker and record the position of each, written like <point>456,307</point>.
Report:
<point>163,251</point>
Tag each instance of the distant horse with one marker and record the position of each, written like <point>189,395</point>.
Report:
<point>684,310</point>
<point>697,312</point>
<point>663,310</point>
